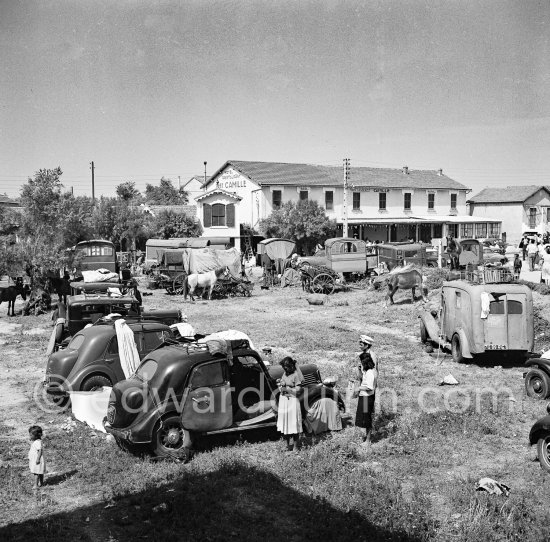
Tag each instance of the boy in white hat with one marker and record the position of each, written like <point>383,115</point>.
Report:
<point>367,390</point>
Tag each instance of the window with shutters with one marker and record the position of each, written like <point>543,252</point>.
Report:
<point>431,201</point>
<point>453,202</point>
<point>219,214</point>
<point>356,201</point>
<point>304,195</point>
<point>382,201</point>
<point>407,201</point>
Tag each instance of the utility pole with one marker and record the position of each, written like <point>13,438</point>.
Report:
<point>93,186</point>
<point>204,173</point>
<point>179,183</point>
<point>346,181</point>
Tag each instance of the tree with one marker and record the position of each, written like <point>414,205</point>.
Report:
<point>168,224</point>
<point>42,245</point>
<point>127,191</point>
<point>304,222</point>
<point>165,194</point>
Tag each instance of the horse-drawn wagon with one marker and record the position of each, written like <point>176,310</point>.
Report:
<point>273,255</point>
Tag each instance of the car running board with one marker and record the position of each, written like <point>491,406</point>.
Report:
<point>235,428</point>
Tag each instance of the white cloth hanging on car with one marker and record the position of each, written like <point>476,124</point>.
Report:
<point>127,349</point>
<point>485,304</point>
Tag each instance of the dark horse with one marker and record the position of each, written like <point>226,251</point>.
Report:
<point>61,286</point>
<point>410,278</point>
<point>11,292</point>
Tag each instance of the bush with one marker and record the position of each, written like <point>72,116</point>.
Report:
<point>541,288</point>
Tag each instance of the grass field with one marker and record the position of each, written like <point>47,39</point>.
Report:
<point>417,481</point>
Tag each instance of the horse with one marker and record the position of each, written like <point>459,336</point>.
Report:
<point>61,286</point>
<point>11,292</point>
<point>404,280</point>
<point>203,280</point>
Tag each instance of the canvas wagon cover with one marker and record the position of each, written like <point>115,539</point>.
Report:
<point>171,257</point>
<point>276,248</point>
<point>208,259</point>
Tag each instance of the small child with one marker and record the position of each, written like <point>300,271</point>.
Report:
<point>37,464</point>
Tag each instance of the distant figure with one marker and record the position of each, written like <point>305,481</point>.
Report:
<point>532,254</point>
<point>545,267</point>
<point>517,267</point>
<point>453,250</point>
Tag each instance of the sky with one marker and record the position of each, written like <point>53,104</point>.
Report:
<point>147,89</point>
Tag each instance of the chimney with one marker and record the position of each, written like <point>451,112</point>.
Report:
<point>405,170</point>
<point>440,172</point>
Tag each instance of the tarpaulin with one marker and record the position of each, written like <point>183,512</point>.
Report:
<point>91,407</point>
<point>208,259</point>
<point>99,275</point>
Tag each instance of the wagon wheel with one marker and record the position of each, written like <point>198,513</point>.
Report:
<point>323,284</point>
<point>178,283</point>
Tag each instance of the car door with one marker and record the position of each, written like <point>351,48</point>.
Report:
<point>112,358</point>
<point>207,404</point>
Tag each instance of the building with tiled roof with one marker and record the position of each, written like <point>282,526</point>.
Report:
<point>521,208</point>
<point>380,204</point>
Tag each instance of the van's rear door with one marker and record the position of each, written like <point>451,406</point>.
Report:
<point>517,321</point>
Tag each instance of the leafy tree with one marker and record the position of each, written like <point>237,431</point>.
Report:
<point>42,245</point>
<point>76,218</point>
<point>165,194</point>
<point>127,191</point>
<point>304,222</point>
<point>168,224</point>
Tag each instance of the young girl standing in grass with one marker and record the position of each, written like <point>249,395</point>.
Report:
<point>37,464</point>
<point>289,420</point>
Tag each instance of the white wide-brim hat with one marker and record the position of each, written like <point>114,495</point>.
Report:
<point>366,339</point>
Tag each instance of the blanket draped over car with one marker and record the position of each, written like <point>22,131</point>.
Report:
<point>90,407</point>
<point>127,349</point>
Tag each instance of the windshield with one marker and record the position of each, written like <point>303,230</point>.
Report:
<point>147,370</point>
<point>76,342</point>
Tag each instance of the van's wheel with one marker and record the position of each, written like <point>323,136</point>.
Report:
<point>170,439</point>
<point>537,384</point>
<point>95,383</point>
<point>456,350</point>
<point>543,450</point>
<point>423,332</point>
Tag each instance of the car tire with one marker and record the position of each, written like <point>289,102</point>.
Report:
<point>537,384</point>
<point>543,450</point>
<point>456,350</point>
<point>170,439</point>
<point>94,383</point>
<point>424,338</point>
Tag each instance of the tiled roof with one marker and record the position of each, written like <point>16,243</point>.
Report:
<point>199,178</point>
<point>510,194</point>
<point>190,210</point>
<point>276,173</point>
<point>5,200</point>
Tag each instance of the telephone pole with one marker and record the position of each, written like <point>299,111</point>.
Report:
<point>205,173</point>
<point>93,186</point>
<point>346,181</point>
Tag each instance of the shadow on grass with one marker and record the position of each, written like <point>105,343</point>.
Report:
<point>234,502</point>
<point>59,478</point>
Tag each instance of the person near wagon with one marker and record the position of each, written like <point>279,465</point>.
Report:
<point>367,390</point>
<point>532,251</point>
<point>289,417</point>
<point>545,266</point>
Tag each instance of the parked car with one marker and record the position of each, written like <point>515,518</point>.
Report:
<point>396,254</point>
<point>537,377</point>
<point>82,310</point>
<point>540,435</point>
<point>91,359</point>
<point>507,328</point>
<point>180,393</point>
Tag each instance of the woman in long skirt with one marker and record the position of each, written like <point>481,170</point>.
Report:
<point>289,420</point>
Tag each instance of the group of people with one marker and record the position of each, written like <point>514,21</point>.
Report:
<point>289,418</point>
<point>537,252</point>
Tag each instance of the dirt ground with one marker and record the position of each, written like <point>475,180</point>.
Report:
<point>433,455</point>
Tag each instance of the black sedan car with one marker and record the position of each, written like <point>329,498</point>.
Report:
<point>540,435</point>
<point>181,392</point>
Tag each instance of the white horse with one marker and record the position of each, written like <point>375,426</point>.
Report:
<point>204,280</point>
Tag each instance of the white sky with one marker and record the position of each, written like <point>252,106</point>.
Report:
<point>147,89</point>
